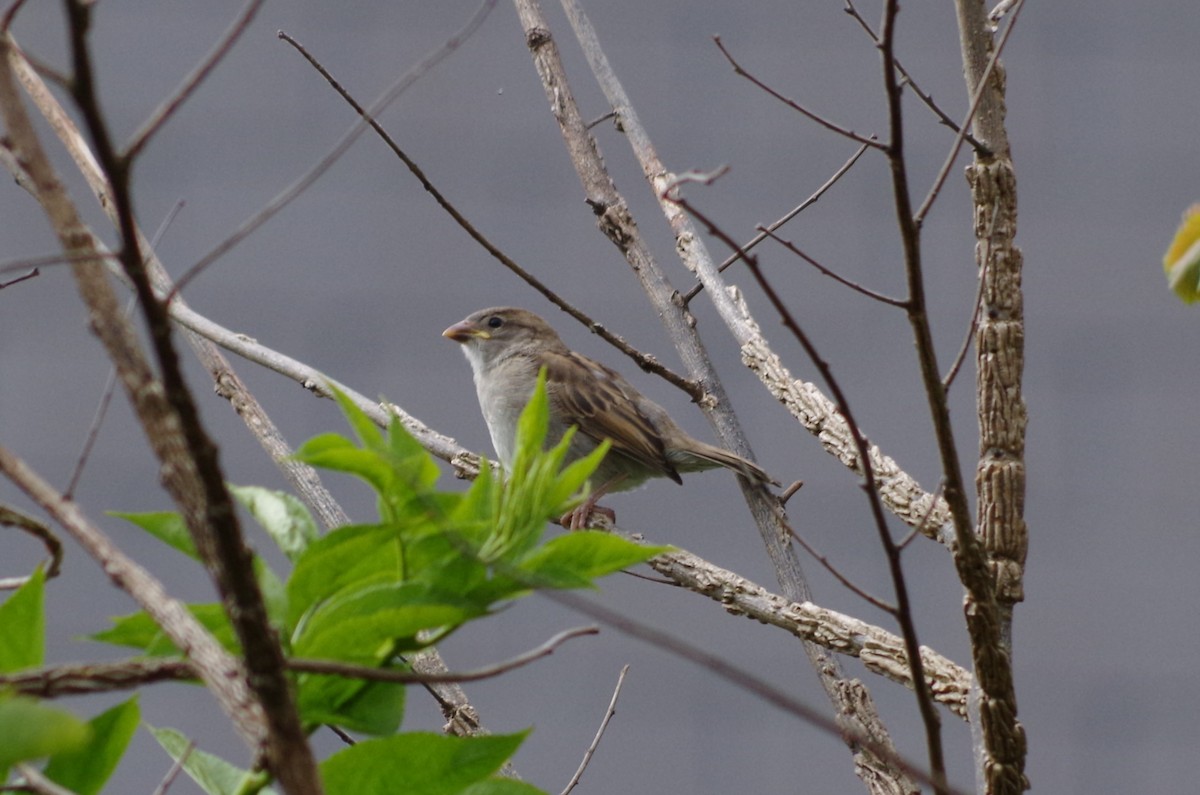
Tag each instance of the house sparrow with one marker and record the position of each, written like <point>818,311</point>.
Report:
<point>507,347</point>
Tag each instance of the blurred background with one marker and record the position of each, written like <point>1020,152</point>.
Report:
<point>359,276</point>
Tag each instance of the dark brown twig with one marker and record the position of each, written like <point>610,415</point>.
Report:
<point>799,208</point>
<point>762,689</point>
<point>33,273</point>
<point>190,83</point>
<point>849,584</point>
<point>911,83</point>
<point>865,140</point>
<point>973,325</point>
<point>67,680</point>
<point>902,611</point>
<point>645,361</point>
<point>853,285</point>
<point>343,144</point>
<point>980,90</point>
<point>591,749</point>
<point>11,517</point>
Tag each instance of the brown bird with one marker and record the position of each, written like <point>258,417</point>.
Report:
<point>507,347</point>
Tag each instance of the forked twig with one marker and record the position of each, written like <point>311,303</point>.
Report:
<point>764,231</point>
<point>865,140</point>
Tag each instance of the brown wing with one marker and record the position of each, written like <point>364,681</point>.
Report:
<point>604,406</point>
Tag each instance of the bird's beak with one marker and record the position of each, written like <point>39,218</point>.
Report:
<point>464,331</point>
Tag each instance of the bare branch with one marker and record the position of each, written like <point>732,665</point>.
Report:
<point>645,361</point>
<point>37,782</point>
<point>865,140</point>
<point>852,10</point>
<point>767,692</point>
<point>175,769</point>
<point>11,517</point>
<point>591,749</point>
<point>980,90</point>
<point>855,286</point>
<point>33,273</point>
<point>223,674</point>
<point>167,108</point>
<point>343,144</point>
<point>799,208</point>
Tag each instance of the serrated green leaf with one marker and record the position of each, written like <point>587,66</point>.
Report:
<point>575,559</point>
<point>366,464</point>
<point>282,515</point>
<point>417,763</point>
<point>139,631</point>
<point>22,617</point>
<point>211,773</point>
<point>84,771</point>
<point>166,526</point>
<point>29,730</point>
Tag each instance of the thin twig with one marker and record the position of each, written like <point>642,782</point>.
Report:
<point>755,685</point>
<point>222,673</point>
<point>912,83</point>
<point>75,679</point>
<point>853,285</point>
<point>190,83</point>
<point>175,769</point>
<point>37,782</point>
<point>849,584</point>
<point>965,348</point>
<point>980,90</point>
<point>645,361</point>
<point>413,677</point>
<point>11,517</point>
<point>902,612</point>
<point>918,317</point>
<point>799,208</point>
<point>111,384</point>
<point>19,279</point>
<point>920,528</point>
<point>343,144</point>
<point>865,140</point>
<point>591,750</point>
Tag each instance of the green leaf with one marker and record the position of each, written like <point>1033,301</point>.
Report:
<point>1182,260</point>
<point>23,625</point>
<point>283,516</point>
<point>84,771</point>
<point>351,555</point>
<point>139,631</point>
<point>29,730</point>
<point>365,624</point>
<point>361,706</point>
<point>575,559</point>
<point>213,774</point>
<point>365,429</point>
<point>417,764</point>
<point>166,526</point>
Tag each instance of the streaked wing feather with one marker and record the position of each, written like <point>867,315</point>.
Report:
<point>603,405</point>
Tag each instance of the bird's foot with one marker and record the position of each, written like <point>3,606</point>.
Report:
<point>589,514</point>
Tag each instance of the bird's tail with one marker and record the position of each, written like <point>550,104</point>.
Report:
<point>707,456</point>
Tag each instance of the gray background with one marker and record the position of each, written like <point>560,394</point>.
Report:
<point>360,275</point>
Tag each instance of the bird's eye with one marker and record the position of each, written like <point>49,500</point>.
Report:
<point>495,321</point>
